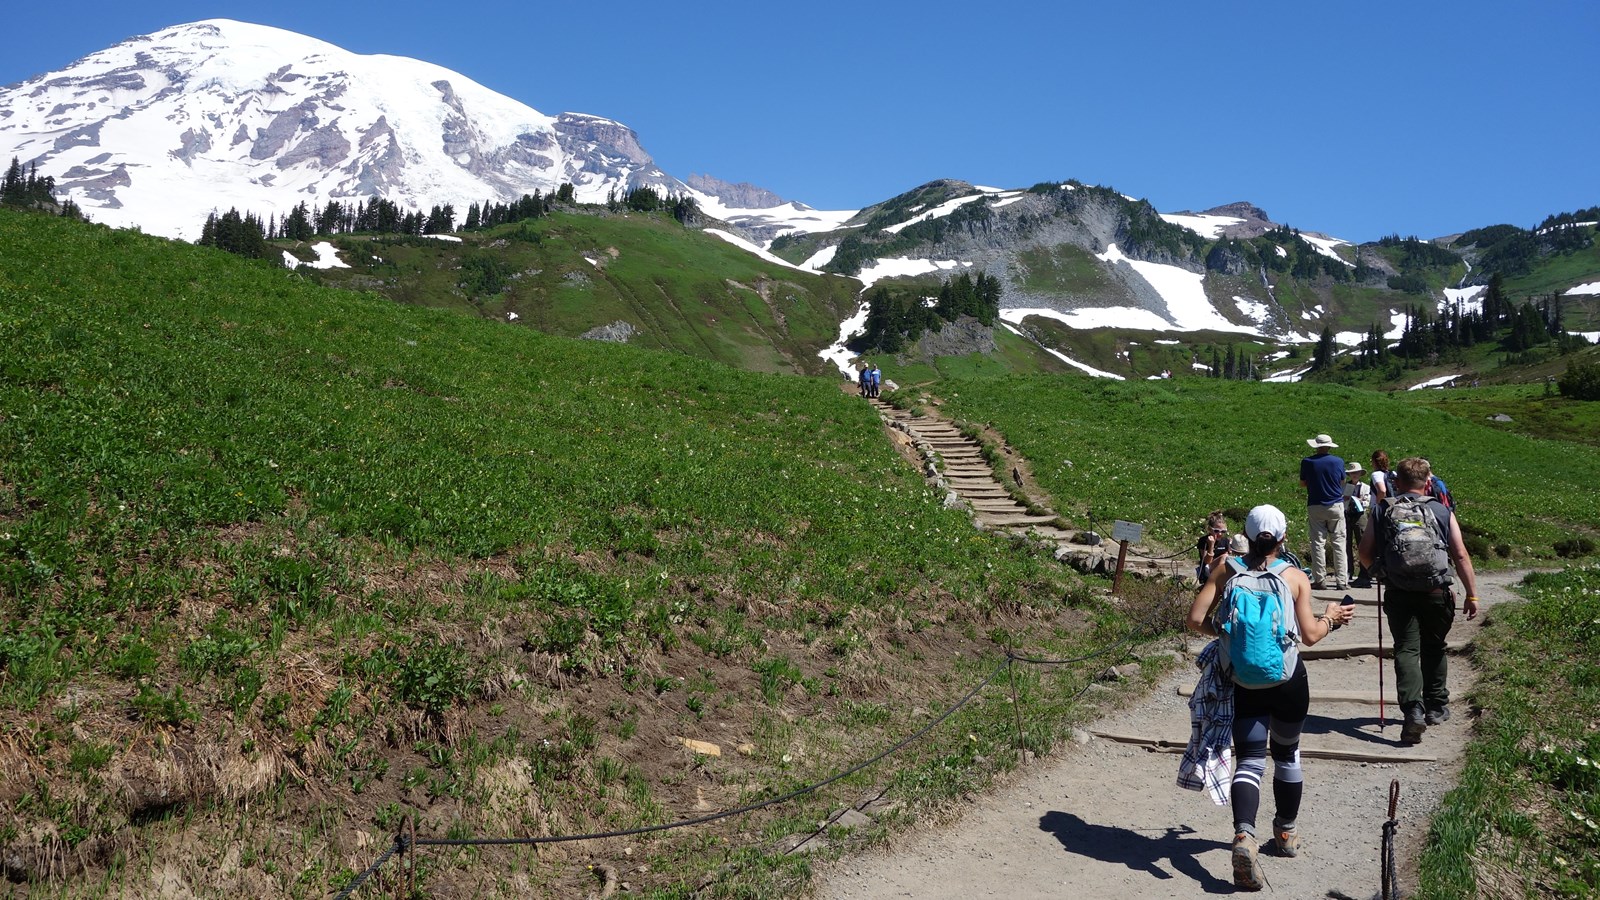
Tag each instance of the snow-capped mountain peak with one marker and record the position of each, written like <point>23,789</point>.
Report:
<point>160,129</point>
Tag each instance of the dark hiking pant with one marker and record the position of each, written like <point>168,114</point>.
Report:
<point>1420,621</point>
<point>1268,721</point>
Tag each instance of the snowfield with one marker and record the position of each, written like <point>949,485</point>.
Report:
<point>899,267</point>
<point>837,353</point>
<point>793,217</point>
<point>1441,381</point>
<point>1325,245</point>
<point>1471,298</point>
<point>327,258</point>
<point>1207,226</point>
<point>1188,307</point>
<point>1592,287</point>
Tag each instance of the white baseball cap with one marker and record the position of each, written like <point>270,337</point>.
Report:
<point>1266,519</point>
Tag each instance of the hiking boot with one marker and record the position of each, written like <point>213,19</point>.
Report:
<point>1437,714</point>
<point>1415,724</point>
<point>1246,867</point>
<point>1286,841</point>
<point>1362,582</point>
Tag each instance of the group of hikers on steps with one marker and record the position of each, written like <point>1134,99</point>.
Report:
<point>1254,694</point>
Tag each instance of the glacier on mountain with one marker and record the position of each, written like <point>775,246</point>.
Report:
<point>161,129</point>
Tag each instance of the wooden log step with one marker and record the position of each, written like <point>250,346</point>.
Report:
<point>1346,651</point>
<point>1010,521</point>
<point>1369,698</point>
<point>1162,745</point>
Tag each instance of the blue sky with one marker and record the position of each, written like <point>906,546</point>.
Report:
<point>1357,119</point>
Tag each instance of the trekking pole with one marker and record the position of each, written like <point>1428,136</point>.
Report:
<point>1383,720</point>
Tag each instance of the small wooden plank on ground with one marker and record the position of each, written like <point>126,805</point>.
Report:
<point>704,748</point>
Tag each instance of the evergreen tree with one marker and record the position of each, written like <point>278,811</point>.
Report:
<point>1322,360</point>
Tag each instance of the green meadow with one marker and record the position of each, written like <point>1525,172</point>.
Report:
<point>572,271</point>
<point>280,563</point>
<point>1165,453</point>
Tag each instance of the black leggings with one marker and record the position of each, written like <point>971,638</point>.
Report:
<point>1266,718</point>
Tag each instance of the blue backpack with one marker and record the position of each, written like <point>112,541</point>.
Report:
<point>1257,625</point>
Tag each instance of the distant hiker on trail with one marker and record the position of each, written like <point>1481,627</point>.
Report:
<point>1410,545</point>
<point>1380,475</point>
<point>862,377</point>
<point>1438,491</point>
<point>1255,685</point>
<point>1212,546</point>
<point>1357,500</point>
<point>874,381</point>
<point>1322,475</point>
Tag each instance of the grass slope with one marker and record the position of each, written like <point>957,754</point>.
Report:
<point>280,564</point>
<point>570,272</point>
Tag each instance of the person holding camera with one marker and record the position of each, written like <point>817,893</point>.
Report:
<point>1212,546</point>
<point>1357,500</point>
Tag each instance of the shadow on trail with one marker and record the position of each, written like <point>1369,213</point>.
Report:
<point>1137,850</point>
<point>1364,729</point>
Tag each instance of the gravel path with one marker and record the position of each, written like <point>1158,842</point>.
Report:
<point>1105,819</point>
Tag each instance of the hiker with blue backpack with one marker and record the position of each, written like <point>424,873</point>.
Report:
<point>1412,543</point>
<point>1259,608</point>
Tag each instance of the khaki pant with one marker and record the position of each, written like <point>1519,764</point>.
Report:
<point>1326,524</point>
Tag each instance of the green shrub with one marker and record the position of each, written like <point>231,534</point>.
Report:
<point>1581,382</point>
<point>1574,547</point>
<point>434,676</point>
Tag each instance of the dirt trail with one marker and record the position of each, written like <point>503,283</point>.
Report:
<point>1105,819</point>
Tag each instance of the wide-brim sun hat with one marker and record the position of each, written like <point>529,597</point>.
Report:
<point>1266,519</point>
<point>1352,468</point>
<point>1321,440</point>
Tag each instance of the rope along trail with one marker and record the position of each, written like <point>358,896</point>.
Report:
<point>406,843</point>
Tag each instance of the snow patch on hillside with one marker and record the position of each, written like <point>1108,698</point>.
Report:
<point>327,258</point>
<point>1441,381</point>
<point>1470,298</point>
<point>1254,310</point>
<point>837,353</point>
<point>1397,326</point>
<point>1325,245</point>
<point>1288,376</point>
<point>900,267</point>
<point>938,212</point>
<point>791,217</point>
<point>1094,317</point>
<point>1087,369</point>
<point>745,245</point>
<point>1592,287</point>
<point>820,258</point>
<point>1188,307</point>
<point>1207,226</point>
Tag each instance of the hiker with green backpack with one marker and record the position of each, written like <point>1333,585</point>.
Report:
<point>1259,608</point>
<point>1412,542</point>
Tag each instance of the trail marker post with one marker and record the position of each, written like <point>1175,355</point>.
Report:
<point>1124,533</point>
